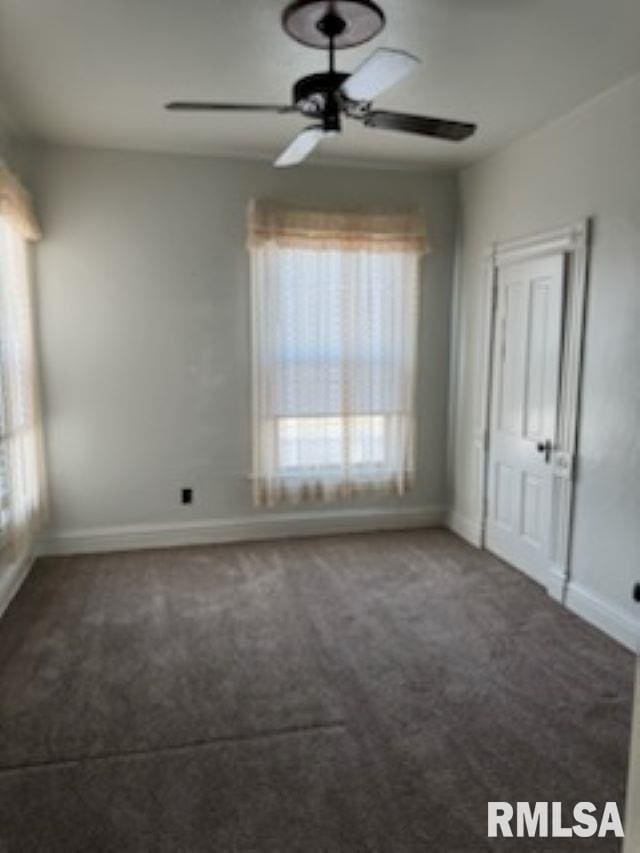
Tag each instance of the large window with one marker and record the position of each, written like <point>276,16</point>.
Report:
<point>20,465</point>
<point>335,322</point>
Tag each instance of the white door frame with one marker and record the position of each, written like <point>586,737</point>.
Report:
<point>573,242</point>
<point>632,811</point>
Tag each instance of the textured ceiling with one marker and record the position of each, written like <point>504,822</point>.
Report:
<point>97,72</point>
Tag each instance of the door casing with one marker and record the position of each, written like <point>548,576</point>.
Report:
<point>573,242</point>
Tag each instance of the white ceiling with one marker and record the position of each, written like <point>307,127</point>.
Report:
<point>97,72</point>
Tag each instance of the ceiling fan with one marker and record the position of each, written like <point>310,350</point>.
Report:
<point>327,96</point>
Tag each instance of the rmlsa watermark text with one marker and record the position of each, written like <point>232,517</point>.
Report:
<point>545,820</point>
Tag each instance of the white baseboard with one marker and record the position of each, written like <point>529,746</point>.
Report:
<point>247,528</point>
<point>12,578</point>
<point>605,616</point>
<point>468,528</point>
<point>556,583</point>
<point>610,618</point>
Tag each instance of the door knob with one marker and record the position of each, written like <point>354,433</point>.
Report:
<point>545,447</point>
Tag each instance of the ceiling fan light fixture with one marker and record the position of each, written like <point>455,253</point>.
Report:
<point>379,72</point>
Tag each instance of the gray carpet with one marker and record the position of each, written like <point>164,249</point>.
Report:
<point>346,693</point>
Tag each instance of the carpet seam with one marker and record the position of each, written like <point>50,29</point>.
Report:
<point>177,747</point>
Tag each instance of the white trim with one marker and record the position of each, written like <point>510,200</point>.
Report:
<point>572,241</point>
<point>632,811</point>
<point>556,583</point>
<point>455,359</point>
<point>245,528</point>
<point>482,401</point>
<point>611,619</point>
<point>11,579</point>
<point>467,528</point>
<point>563,240</point>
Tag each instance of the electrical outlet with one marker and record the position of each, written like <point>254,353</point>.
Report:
<point>187,496</point>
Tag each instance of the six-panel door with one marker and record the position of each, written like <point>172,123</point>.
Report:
<point>524,408</point>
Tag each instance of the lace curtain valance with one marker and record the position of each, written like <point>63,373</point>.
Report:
<point>292,228</point>
<point>15,206</point>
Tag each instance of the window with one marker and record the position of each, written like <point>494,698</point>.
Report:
<point>20,477</point>
<point>4,475</point>
<point>335,324</point>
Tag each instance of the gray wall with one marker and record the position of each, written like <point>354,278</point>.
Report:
<point>143,288</point>
<point>588,163</point>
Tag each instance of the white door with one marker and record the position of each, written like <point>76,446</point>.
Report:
<point>524,411</point>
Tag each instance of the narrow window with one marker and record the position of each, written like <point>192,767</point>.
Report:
<point>335,307</point>
<point>20,460</point>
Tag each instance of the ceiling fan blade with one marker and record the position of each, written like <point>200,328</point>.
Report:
<point>300,147</point>
<point>203,106</point>
<point>440,128</point>
<point>379,72</point>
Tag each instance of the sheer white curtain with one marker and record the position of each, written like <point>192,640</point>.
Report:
<point>21,470</point>
<point>335,310</point>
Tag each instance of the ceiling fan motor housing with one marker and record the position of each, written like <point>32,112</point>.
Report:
<point>313,93</point>
<point>316,96</point>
